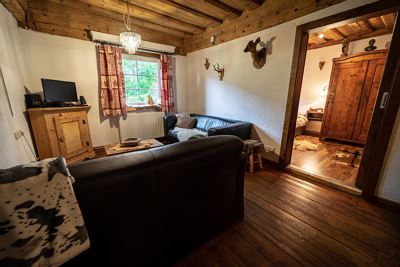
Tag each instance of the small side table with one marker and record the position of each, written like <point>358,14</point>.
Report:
<point>114,149</point>
<point>253,148</point>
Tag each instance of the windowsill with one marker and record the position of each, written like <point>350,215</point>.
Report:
<point>144,108</point>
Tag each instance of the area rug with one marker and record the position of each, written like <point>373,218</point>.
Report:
<point>304,145</point>
<point>350,157</point>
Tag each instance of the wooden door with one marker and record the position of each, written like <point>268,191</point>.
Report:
<point>368,100</point>
<point>73,134</point>
<point>345,92</point>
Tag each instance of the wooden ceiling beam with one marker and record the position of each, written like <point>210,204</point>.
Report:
<point>376,22</point>
<point>331,35</point>
<point>338,33</point>
<point>23,4</point>
<point>223,6</point>
<point>63,31</point>
<point>211,7</point>
<point>266,16</point>
<point>258,2</point>
<point>17,10</point>
<point>20,10</point>
<point>315,39</point>
<point>242,5</point>
<point>178,11</point>
<point>354,37</point>
<point>114,15</point>
<point>367,25</point>
<point>55,18</point>
<point>145,14</point>
<point>388,19</point>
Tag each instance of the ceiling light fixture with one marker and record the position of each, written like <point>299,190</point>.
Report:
<point>321,36</point>
<point>130,40</point>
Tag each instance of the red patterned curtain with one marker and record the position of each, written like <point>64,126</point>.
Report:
<point>112,86</point>
<point>167,95</point>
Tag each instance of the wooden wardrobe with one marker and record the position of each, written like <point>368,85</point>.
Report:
<point>351,99</point>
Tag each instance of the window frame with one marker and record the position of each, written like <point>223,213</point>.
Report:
<point>125,56</point>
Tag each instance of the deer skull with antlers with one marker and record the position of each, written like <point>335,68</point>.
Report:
<point>221,72</point>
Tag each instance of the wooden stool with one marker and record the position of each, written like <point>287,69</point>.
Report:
<point>253,148</point>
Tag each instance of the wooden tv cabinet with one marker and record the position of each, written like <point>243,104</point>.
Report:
<point>62,131</point>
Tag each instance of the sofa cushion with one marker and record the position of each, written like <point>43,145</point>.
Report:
<point>185,122</point>
<point>205,123</point>
<point>183,134</point>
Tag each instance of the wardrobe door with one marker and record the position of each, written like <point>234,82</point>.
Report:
<point>345,91</point>
<point>368,100</point>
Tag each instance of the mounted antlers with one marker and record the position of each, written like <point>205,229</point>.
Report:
<point>221,72</point>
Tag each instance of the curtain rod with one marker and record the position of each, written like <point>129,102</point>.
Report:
<point>102,42</point>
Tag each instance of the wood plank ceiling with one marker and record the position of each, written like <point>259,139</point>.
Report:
<point>186,24</point>
<point>357,30</point>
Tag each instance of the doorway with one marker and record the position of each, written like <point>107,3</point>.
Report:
<point>338,96</point>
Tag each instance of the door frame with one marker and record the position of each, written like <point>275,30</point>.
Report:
<point>382,121</point>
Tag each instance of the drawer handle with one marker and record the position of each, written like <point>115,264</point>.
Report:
<point>62,139</point>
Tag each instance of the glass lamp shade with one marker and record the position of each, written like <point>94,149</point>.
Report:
<point>130,41</point>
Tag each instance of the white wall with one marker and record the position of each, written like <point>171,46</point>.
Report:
<point>13,151</point>
<point>181,83</point>
<point>258,96</point>
<point>315,79</point>
<point>63,58</point>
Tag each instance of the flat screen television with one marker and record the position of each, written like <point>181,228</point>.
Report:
<point>59,91</point>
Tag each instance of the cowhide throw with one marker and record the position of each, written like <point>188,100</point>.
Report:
<point>40,220</point>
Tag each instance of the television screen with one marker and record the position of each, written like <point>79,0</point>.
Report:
<point>59,91</point>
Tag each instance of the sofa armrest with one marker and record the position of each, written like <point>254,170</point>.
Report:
<point>169,123</point>
<point>239,129</point>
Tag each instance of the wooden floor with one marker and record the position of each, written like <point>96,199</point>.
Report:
<point>290,222</point>
<point>323,162</point>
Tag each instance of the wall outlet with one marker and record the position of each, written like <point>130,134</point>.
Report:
<point>18,134</point>
<point>269,148</point>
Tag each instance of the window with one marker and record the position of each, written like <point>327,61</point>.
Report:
<point>142,78</point>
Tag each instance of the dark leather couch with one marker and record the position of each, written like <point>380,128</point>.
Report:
<point>211,125</point>
<point>150,208</point>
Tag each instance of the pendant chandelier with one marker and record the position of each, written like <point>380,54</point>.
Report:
<point>130,40</point>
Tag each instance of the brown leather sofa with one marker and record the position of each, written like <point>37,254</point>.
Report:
<point>150,208</point>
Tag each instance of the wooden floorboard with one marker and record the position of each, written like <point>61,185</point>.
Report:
<point>323,163</point>
<point>292,222</point>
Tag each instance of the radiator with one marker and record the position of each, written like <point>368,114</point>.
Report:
<point>142,125</point>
